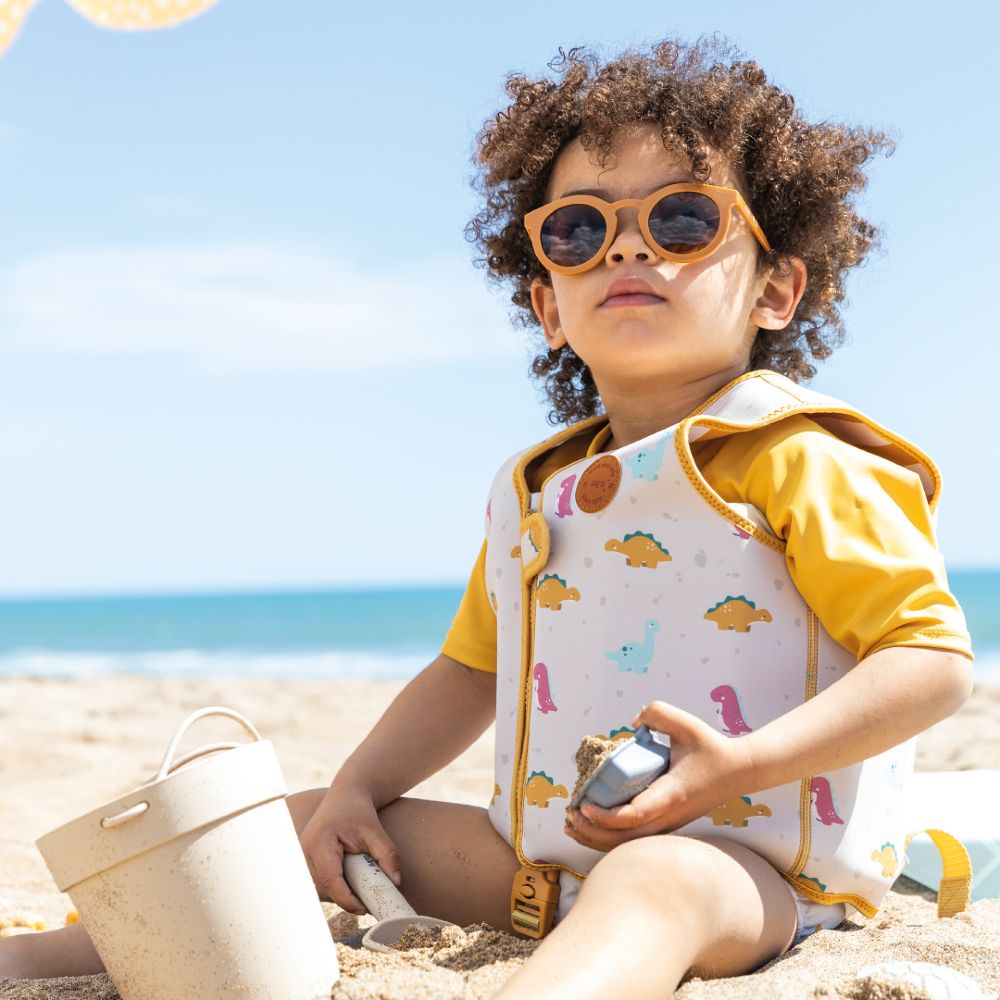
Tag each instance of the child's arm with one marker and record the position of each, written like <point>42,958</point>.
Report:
<point>861,549</point>
<point>883,700</point>
<point>440,713</point>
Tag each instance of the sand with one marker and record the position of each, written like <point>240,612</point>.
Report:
<point>66,746</point>
<point>432,962</point>
<point>592,752</point>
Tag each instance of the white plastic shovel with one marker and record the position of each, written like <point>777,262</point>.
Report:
<point>385,902</point>
<point>194,885</point>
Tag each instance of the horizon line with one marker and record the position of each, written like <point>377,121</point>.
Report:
<point>271,590</point>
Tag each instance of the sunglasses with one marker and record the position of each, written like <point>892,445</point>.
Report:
<point>682,222</point>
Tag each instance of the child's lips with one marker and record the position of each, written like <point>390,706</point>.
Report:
<point>632,299</point>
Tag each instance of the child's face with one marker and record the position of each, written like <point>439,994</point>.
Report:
<point>705,322</point>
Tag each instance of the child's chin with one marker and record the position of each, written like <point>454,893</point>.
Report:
<point>641,347</point>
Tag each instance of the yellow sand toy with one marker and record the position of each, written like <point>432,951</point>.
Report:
<point>958,813</point>
<point>30,924</point>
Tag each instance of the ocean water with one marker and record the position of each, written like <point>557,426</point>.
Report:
<point>375,633</point>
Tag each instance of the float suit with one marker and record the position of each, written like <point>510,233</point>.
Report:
<point>629,579</point>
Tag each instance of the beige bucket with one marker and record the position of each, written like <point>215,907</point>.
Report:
<point>194,885</point>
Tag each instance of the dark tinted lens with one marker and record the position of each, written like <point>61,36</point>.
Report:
<point>684,222</point>
<point>572,235</point>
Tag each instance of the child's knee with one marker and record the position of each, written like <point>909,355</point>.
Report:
<point>646,866</point>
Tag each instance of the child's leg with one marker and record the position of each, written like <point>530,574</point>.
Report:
<point>654,908</point>
<point>67,951</point>
<point>454,866</point>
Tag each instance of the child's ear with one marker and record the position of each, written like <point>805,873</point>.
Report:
<point>543,301</point>
<point>777,301</point>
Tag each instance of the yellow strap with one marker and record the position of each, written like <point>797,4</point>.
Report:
<point>956,872</point>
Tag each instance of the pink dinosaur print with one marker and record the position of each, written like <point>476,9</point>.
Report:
<point>740,533</point>
<point>564,508</point>
<point>545,702</point>
<point>489,504</point>
<point>732,717</point>
<point>825,811</point>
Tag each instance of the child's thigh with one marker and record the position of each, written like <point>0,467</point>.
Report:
<point>732,901</point>
<point>454,864</point>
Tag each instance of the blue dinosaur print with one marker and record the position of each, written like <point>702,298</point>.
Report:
<point>645,464</point>
<point>636,656</point>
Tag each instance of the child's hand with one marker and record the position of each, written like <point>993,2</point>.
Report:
<point>706,769</point>
<point>345,821</point>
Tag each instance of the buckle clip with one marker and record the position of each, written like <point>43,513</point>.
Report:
<point>533,901</point>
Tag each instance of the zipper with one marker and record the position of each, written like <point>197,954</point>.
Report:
<point>522,750</point>
<point>528,632</point>
<point>521,764</point>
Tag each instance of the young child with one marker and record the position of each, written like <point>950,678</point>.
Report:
<point>708,548</point>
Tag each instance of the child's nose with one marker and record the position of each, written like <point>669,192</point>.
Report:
<point>629,241</point>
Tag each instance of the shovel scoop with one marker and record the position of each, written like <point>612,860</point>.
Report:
<point>626,771</point>
<point>385,903</point>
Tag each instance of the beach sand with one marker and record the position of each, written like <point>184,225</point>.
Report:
<point>68,745</point>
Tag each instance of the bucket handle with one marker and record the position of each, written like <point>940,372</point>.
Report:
<point>169,765</point>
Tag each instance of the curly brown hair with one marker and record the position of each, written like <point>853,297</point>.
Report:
<point>797,179</point>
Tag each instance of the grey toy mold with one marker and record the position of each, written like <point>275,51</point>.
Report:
<point>627,770</point>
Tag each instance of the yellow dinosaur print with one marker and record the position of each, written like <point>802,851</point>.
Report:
<point>493,601</point>
<point>515,553</point>
<point>886,857</point>
<point>640,548</point>
<point>736,812</point>
<point>539,788</point>
<point>533,535</point>
<point>552,591</point>
<point>618,734</point>
<point>736,614</point>
<point>496,794</point>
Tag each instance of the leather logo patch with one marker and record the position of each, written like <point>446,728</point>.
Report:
<point>598,484</point>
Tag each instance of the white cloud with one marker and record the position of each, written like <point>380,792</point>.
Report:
<point>243,307</point>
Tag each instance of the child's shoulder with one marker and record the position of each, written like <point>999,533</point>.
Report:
<point>799,463</point>
<point>819,434</point>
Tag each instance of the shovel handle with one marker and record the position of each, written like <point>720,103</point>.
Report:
<point>374,888</point>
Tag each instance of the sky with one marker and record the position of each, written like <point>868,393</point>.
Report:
<point>243,343</point>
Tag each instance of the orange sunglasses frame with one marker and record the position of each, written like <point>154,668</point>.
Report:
<point>725,198</point>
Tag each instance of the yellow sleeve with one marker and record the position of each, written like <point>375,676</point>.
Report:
<point>860,543</point>
<point>472,638</point>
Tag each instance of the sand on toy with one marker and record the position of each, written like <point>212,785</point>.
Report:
<point>592,752</point>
